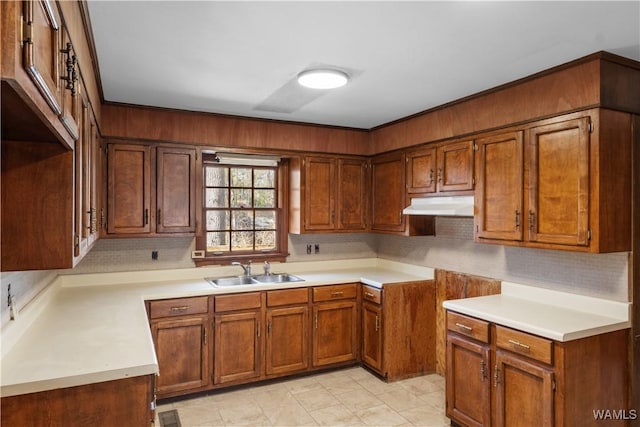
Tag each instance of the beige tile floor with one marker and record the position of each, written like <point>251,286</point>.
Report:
<point>348,397</point>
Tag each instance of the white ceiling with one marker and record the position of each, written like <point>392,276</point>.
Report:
<point>242,57</point>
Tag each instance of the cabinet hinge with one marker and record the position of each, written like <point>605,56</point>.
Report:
<point>473,181</point>
<point>588,234</point>
<point>27,32</point>
<point>590,127</point>
<point>475,147</point>
<point>553,385</point>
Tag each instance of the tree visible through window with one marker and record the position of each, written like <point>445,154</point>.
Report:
<point>240,209</point>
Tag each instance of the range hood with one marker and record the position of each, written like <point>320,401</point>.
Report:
<point>441,206</point>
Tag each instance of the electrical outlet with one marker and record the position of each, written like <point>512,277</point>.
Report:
<point>317,248</point>
<point>197,254</point>
<point>309,249</point>
<point>154,255</point>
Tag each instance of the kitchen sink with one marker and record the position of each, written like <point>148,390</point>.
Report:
<point>252,280</point>
<point>231,281</point>
<point>277,278</point>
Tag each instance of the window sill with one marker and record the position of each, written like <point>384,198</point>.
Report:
<point>228,259</point>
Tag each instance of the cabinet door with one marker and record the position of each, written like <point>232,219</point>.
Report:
<point>524,392</point>
<point>372,336</point>
<point>94,176</point>
<point>421,171</point>
<point>129,188</point>
<point>176,190</point>
<point>319,212</point>
<point>352,194</point>
<point>42,50</point>
<point>79,235</point>
<point>388,198</point>
<point>334,332</point>
<point>237,347</point>
<point>498,195</point>
<point>468,381</point>
<point>287,343</point>
<point>182,352</point>
<point>71,105</point>
<point>455,166</point>
<point>559,183</point>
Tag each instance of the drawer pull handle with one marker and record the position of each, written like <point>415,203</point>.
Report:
<point>368,295</point>
<point>464,327</point>
<point>519,345</point>
<point>337,293</point>
<point>180,308</point>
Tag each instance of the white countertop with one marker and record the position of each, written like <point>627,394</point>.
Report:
<point>93,327</point>
<point>551,314</point>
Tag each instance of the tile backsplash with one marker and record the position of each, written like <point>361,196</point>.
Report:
<point>598,275</point>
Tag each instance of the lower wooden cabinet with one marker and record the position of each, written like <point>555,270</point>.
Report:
<point>209,342</point>
<point>398,329</point>
<point>372,335</point>
<point>468,381</point>
<point>181,335</point>
<point>524,391</point>
<point>287,337</point>
<point>335,322</point>
<point>238,337</point>
<point>498,376</point>
<point>124,402</point>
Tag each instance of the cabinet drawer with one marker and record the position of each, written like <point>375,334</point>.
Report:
<point>372,294</point>
<point>235,302</point>
<point>334,292</point>
<point>287,296</point>
<point>178,307</point>
<point>469,326</point>
<point>522,343</point>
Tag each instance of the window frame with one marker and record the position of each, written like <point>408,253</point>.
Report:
<point>282,217</point>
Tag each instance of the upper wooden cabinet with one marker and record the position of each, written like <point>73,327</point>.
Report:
<point>558,160</point>
<point>440,170</point>
<point>561,183</point>
<point>421,171</point>
<point>388,195</point>
<point>42,50</point>
<point>328,194</point>
<point>175,192</point>
<point>389,198</point>
<point>138,171</point>
<point>41,73</point>
<point>499,188</point>
<point>128,188</point>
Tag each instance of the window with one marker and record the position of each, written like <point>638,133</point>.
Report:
<point>240,216</point>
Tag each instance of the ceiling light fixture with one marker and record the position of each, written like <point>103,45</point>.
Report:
<point>323,78</point>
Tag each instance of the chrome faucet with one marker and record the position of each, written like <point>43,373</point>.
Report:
<point>247,268</point>
<point>267,268</point>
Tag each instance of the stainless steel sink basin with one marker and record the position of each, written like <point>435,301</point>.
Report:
<point>231,281</point>
<point>253,280</point>
<point>277,278</point>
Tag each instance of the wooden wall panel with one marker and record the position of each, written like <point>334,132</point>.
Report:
<point>550,93</point>
<point>452,285</point>
<point>134,122</point>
